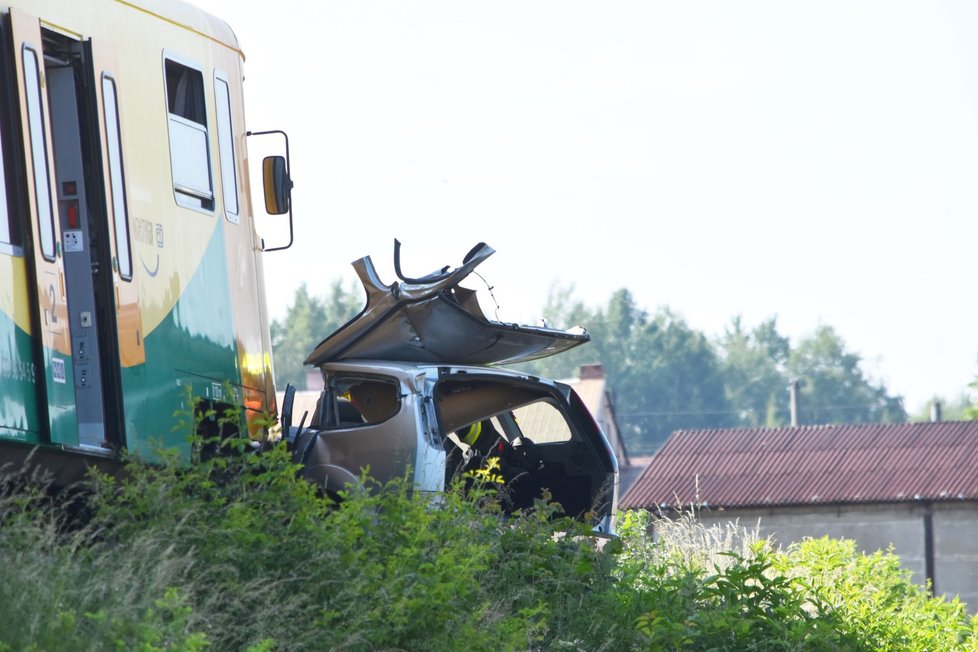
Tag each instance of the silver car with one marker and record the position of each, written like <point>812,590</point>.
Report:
<point>409,389</point>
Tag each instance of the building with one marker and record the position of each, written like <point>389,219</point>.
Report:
<point>913,486</point>
<point>592,386</point>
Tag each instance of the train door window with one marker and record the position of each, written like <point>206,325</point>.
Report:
<point>5,230</point>
<point>117,185</point>
<point>9,233</point>
<point>42,181</point>
<point>187,117</point>
<point>11,238</point>
<point>225,139</point>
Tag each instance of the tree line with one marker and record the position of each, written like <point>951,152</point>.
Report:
<point>664,375</point>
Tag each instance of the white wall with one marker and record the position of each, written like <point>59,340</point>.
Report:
<point>956,551</point>
<point>876,527</point>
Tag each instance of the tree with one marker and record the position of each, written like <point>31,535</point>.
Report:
<point>663,374</point>
<point>672,380</point>
<point>309,321</point>
<point>834,388</point>
<point>562,311</point>
<point>754,372</point>
<point>760,365</point>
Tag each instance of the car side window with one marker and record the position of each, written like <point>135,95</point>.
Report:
<point>360,401</point>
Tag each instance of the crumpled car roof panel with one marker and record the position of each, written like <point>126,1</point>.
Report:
<point>433,319</point>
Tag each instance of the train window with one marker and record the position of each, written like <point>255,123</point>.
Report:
<point>117,186</point>
<point>225,138</point>
<point>187,117</point>
<point>39,156</point>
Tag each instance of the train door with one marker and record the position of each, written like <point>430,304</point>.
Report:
<point>20,417</point>
<point>121,332</point>
<point>50,305</point>
<point>73,119</point>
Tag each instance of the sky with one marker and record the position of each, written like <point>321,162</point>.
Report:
<point>816,162</point>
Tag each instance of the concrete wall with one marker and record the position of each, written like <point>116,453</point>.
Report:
<point>953,527</point>
<point>956,551</point>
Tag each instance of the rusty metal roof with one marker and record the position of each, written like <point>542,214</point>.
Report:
<point>809,465</point>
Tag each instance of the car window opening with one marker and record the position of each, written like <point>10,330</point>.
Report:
<point>359,402</point>
<point>519,434</point>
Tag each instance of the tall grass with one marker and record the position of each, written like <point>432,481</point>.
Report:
<point>62,589</point>
<point>237,552</point>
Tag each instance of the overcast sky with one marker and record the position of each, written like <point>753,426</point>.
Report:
<point>813,161</point>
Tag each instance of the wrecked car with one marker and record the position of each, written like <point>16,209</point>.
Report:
<point>412,386</point>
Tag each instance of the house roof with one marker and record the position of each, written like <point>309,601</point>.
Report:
<point>591,386</point>
<point>810,465</point>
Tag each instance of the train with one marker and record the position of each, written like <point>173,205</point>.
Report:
<point>132,288</point>
<point>131,278</point>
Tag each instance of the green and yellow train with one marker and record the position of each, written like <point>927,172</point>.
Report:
<point>130,267</point>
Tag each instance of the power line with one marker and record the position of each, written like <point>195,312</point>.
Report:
<point>825,408</point>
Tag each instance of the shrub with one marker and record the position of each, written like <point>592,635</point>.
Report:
<point>723,589</point>
<point>874,600</point>
<point>692,591</point>
<point>272,563</point>
<point>238,552</point>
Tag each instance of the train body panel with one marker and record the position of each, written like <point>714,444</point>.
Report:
<point>19,417</point>
<point>129,263</point>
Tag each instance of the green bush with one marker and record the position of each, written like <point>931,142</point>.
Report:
<point>696,597</point>
<point>741,594</point>
<point>874,600</point>
<point>238,552</point>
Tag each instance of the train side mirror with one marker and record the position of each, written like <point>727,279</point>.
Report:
<point>278,185</point>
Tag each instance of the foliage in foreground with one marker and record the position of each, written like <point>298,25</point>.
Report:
<point>238,553</point>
